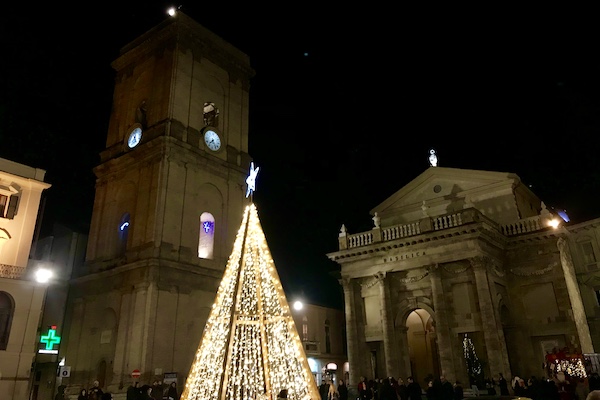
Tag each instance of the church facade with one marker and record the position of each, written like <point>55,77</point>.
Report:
<point>463,260</point>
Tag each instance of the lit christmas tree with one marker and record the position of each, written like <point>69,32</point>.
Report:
<point>250,348</point>
<point>474,368</point>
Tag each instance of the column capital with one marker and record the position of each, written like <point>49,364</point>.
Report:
<point>432,268</point>
<point>480,262</point>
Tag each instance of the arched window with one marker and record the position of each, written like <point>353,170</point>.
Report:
<point>7,309</point>
<point>206,241</point>
<point>124,225</point>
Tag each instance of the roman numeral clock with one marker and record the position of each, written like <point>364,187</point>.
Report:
<point>170,194</point>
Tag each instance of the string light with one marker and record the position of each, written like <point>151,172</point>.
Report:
<point>250,348</point>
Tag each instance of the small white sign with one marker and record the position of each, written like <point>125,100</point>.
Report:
<point>65,372</point>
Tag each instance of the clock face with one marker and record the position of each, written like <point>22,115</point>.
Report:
<point>134,137</point>
<point>212,140</point>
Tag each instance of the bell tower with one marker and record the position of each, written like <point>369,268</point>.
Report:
<point>170,195</point>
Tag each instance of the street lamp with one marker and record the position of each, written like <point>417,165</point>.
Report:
<point>43,275</point>
<point>298,305</point>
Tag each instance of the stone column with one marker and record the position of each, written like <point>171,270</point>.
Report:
<point>403,356</point>
<point>442,329</point>
<point>351,332</point>
<point>495,348</point>
<point>390,344</point>
<point>583,329</point>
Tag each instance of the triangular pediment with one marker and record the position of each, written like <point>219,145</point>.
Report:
<point>439,191</point>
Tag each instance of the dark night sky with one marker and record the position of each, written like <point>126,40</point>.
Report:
<point>345,104</point>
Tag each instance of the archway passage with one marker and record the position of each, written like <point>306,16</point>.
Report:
<point>422,346</point>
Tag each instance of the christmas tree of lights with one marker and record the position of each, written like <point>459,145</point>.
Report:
<point>474,367</point>
<point>250,348</point>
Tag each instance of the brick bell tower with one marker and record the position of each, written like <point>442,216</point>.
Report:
<point>170,194</point>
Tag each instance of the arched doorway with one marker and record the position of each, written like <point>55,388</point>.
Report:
<point>422,345</point>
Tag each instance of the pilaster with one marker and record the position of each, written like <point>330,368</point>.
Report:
<point>495,349</point>
<point>351,332</point>
<point>390,344</point>
<point>583,329</point>
<point>444,339</point>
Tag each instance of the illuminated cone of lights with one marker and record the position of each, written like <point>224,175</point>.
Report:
<point>250,348</point>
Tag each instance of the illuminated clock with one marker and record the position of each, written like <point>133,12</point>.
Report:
<point>134,137</point>
<point>212,140</point>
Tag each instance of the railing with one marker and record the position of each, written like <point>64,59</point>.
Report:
<point>360,239</point>
<point>400,231</point>
<point>525,225</point>
<point>11,271</point>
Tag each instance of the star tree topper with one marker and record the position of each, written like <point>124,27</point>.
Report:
<point>251,179</point>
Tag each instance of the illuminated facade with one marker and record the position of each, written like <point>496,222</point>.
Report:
<point>21,297</point>
<point>462,254</point>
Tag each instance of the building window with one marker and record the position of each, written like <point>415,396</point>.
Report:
<point>8,206</point>
<point>304,329</point>
<point>211,114</point>
<point>7,309</point>
<point>327,337</point>
<point>589,258</point>
<point>206,241</point>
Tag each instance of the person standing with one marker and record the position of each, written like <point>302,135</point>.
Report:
<point>401,389</point>
<point>363,389</point>
<point>503,384</point>
<point>387,391</point>
<point>342,390</point>
<point>446,389</point>
<point>172,392</point>
<point>324,390</point>
<point>82,395</point>
<point>60,394</point>
<point>413,389</point>
<point>332,394</point>
<point>95,392</point>
<point>133,391</point>
<point>458,391</point>
<point>145,393</point>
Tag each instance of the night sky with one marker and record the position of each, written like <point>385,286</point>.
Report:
<point>345,105</point>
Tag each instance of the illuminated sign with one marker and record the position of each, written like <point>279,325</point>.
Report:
<point>50,340</point>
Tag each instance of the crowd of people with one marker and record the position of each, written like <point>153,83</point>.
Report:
<point>396,389</point>
<point>156,391</point>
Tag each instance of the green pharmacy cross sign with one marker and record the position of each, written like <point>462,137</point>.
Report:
<point>50,340</point>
